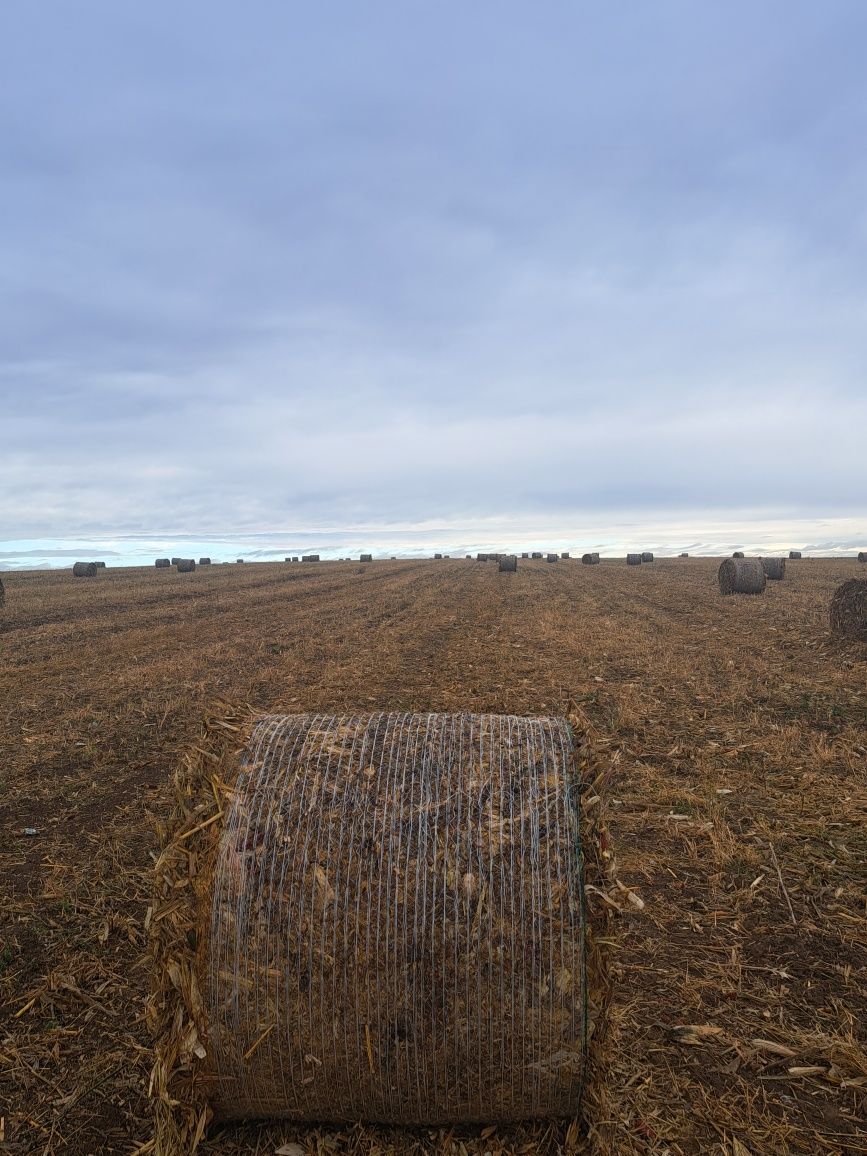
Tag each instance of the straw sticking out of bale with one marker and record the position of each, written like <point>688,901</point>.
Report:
<point>590,559</point>
<point>162,563</point>
<point>633,559</point>
<point>794,553</point>
<point>849,610</point>
<point>186,565</point>
<point>84,569</point>
<point>508,564</point>
<point>741,576</point>
<point>348,922</point>
<point>775,568</point>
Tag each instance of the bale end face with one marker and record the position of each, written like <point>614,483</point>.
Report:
<point>552,558</point>
<point>633,559</point>
<point>741,576</point>
<point>849,610</point>
<point>589,559</point>
<point>186,565</point>
<point>508,564</point>
<point>85,569</point>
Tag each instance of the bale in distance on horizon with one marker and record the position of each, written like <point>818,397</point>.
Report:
<point>525,554</point>
<point>590,559</point>
<point>741,576</point>
<point>186,565</point>
<point>794,553</point>
<point>162,563</point>
<point>775,568</point>
<point>862,555</point>
<point>565,554</point>
<point>646,556</point>
<point>481,557</point>
<point>738,554</point>
<point>848,611</point>
<point>633,559</point>
<point>309,557</point>
<point>537,554</point>
<point>365,558</point>
<point>683,555</point>
<point>100,565</point>
<point>175,561</point>
<point>437,556</point>
<point>508,563</point>
<point>552,558</point>
<point>85,569</point>
<point>204,561</point>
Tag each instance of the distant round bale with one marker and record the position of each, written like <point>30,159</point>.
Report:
<point>239,562</point>
<point>862,555</point>
<point>162,563</point>
<point>309,557</point>
<point>849,610</point>
<point>552,558</point>
<point>204,561</point>
<point>436,556</point>
<point>738,554</point>
<point>683,555</point>
<point>537,554</point>
<point>794,553</point>
<point>590,559</point>
<point>646,556</point>
<point>775,568</point>
<point>565,554</point>
<point>186,565</point>
<point>525,554</point>
<point>481,557</point>
<point>365,558</point>
<point>633,559</point>
<point>508,563</point>
<point>742,576</point>
<point>175,561</point>
<point>100,565</point>
<point>85,569</point>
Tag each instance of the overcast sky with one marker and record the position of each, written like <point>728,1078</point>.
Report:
<point>277,265</point>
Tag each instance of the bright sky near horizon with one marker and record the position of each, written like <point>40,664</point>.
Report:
<point>336,268</point>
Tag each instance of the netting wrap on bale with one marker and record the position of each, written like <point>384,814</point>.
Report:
<point>849,610</point>
<point>741,576</point>
<point>400,918</point>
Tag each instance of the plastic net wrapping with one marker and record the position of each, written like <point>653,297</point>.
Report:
<point>389,925</point>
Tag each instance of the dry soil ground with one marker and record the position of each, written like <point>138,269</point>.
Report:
<point>738,730</point>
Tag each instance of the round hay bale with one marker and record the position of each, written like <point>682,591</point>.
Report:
<point>186,565</point>
<point>175,561</point>
<point>437,555</point>
<point>741,576</point>
<point>508,564</point>
<point>398,918</point>
<point>100,565</point>
<point>525,554</point>
<point>794,553</point>
<point>481,557</point>
<point>590,559</point>
<point>162,563</point>
<point>204,561</point>
<point>537,554</point>
<point>775,568</point>
<point>552,558</point>
<point>239,562</point>
<point>849,610</point>
<point>84,569</point>
<point>646,556</point>
<point>633,559</point>
<point>565,554</point>
<point>309,557</point>
<point>862,555</point>
<point>365,558</point>
<point>683,555</point>
<point>738,554</point>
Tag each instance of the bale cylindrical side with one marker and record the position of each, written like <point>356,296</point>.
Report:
<point>537,554</point>
<point>508,563</point>
<point>849,610</point>
<point>481,557</point>
<point>862,555</point>
<point>741,576</point>
<point>309,557</point>
<point>162,563</point>
<point>564,554</point>
<point>85,569</point>
<point>365,558</point>
<point>775,568</point>
<point>794,553</point>
<point>684,555</point>
<point>738,554</point>
<point>100,565</point>
<point>646,556</point>
<point>633,559</point>
<point>437,556</point>
<point>552,558</point>
<point>186,565</point>
<point>204,561</point>
<point>175,561</point>
<point>525,554</point>
<point>590,559</point>
<point>398,918</point>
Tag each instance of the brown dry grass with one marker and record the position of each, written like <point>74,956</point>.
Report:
<point>739,727</point>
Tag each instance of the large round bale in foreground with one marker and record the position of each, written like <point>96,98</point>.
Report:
<point>775,568</point>
<point>794,553</point>
<point>186,565</point>
<point>741,576</point>
<point>508,563</point>
<point>85,569</point>
<point>397,918</point>
<point>633,559</point>
<point>849,610</point>
<point>162,563</point>
<point>646,556</point>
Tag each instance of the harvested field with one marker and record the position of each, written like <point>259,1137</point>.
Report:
<point>736,730</point>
